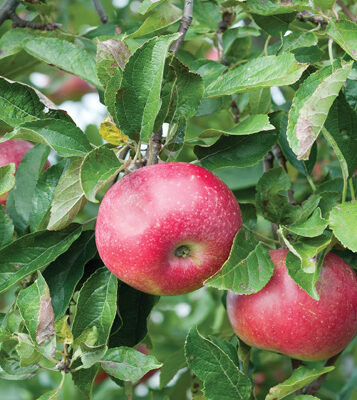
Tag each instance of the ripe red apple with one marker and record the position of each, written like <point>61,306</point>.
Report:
<point>13,151</point>
<point>284,318</point>
<point>165,228</point>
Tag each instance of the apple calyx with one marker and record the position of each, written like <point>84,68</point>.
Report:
<point>182,251</point>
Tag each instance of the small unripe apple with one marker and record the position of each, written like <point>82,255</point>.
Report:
<point>282,317</point>
<point>165,228</point>
<point>13,151</point>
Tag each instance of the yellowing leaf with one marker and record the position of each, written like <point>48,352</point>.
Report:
<point>109,132</point>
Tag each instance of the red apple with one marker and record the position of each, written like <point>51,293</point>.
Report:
<point>284,318</point>
<point>212,54</point>
<point>166,228</point>
<point>74,88</point>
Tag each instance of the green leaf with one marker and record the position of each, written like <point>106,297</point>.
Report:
<point>175,139</point>
<point>300,377</point>
<point>63,331</point>
<point>84,379</point>
<point>174,362</point>
<point>12,41</point>
<point>344,33</point>
<point>311,105</point>
<point>259,101</point>
<point>341,123</point>
<point>69,198</point>
<point>7,178</point>
<point>110,94</point>
<point>128,364</point>
<point>314,226</point>
<point>65,55</point>
<point>112,55</point>
<point>252,124</point>
<point>305,397</point>
<point>6,228</point>
<point>148,5</point>
<point>99,167</point>
<point>271,198</point>
<point>51,395</point>
<point>343,222</point>
<point>43,196</point>
<point>216,362</point>
<point>63,137</point>
<point>248,268</point>
<point>96,305</point>
<point>138,99</point>
<point>130,325</point>
<point>235,151</point>
<point>189,88</point>
<point>19,202</point>
<point>208,69</point>
<point>27,352</point>
<point>91,355</point>
<point>161,17</point>
<point>258,73</point>
<point>304,261</point>
<point>32,252</point>
<point>63,275</point>
<point>294,41</point>
<point>271,7</point>
<point>35,307</point>
<point>20,103</point>
<point>274,25</point>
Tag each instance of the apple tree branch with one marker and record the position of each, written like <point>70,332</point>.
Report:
<point>184,25</point>
<point>100,11</point>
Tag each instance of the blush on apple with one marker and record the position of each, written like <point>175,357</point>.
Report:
<point>13,151</point>
<point>166,228</point>
<point>282,317</point>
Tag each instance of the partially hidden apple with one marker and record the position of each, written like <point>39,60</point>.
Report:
<point>13,151</point>
<point>282,317</point>
<point>164,229</point>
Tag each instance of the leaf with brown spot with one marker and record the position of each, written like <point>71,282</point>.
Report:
<point>35,307</point>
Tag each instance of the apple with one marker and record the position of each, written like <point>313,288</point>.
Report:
<point>212,54</point>
<point>13,151</point>
<point>165,228</point>
<point>282,317</point>
<point>74,88</point>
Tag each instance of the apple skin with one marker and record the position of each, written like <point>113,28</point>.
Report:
<point>13,151</point>
<point>146,216</point>
<point>282,317</point>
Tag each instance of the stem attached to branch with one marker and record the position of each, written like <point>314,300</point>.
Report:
<point>184,25</point>
<point>155,147</point>
<point>100,11</point>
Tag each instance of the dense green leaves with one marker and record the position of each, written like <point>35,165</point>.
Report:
<point>7,178</point>
<point>32,252</point>
<point>6,228</point>
<point>36,309</point>
<point>311,105</point>
<point>69,198</point>
<point>301,377</point>
<point>70,57</point>
<point>19,203</point>
<point>216,363</point>
<point>20,103</point>
<point>128,364</point>
<point>138,100</point>
<point>271,7</point>
<point>345,34</point>
<point>236,151</point>
<point>63,137</point>
<point>259,73</point>
<point>63,275</point>
<point>313,226</point>
<point>343,222</point>
<point>96,305</point>
<point>248,268</point>
<point>99,167</point>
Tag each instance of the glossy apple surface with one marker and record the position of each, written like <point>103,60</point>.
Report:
<point>13,151</point>
<point>284,318</point>
<point>165,228</point>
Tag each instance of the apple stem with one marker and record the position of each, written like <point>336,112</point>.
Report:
<point>182,251</point>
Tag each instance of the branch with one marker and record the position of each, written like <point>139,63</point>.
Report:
<point>6,9</point>
<point>184,25</point>
<point>100,11</point>
<point>155,147</point>
<point>268,161</point>
<point>18,22</point>
<point>347,11</point>
<point>316,20</point>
